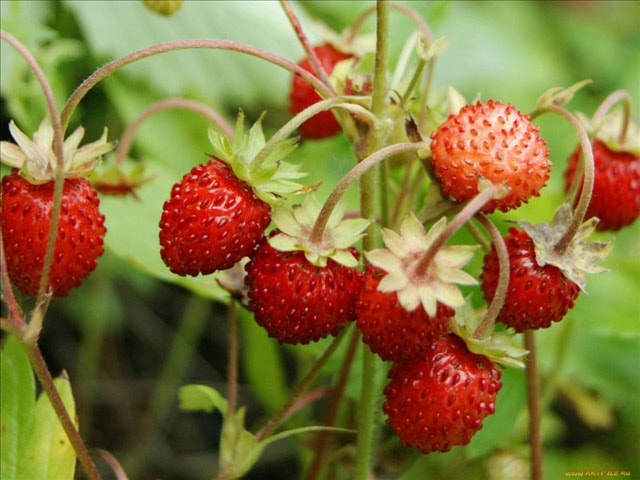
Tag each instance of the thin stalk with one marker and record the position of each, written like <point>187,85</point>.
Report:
<point>324,441</point>
<point>232,367</point>
<point>608,103</point>
<point>589,177</point>
<point>357,173</point>
<point>126,141</point>
<point>44,376</point>
<point>456,223</point>
<point>562,349</point>
<point>414,80</point>
<point>488,322</point>
<point>16,315</point>
<point>479,236</point>
<point>403,195</point>
<point>116,65</point>
<point>274,423</point>
<point>533,396</point>
<point>311,54</point>
<point>409,12</point>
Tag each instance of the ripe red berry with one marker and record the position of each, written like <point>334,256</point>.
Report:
<point>303,95</point>
<point>391,331</point>
<point>616,189</point>
<point>537,295</point>
<point>494,141</point>
<point>26,226</point>
<point>211,221</point>
<point>297,302</point>
<point>440,400</point>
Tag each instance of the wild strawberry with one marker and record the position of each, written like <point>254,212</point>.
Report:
<point>303,95</point>
<point>27,207</point>
<point>296,301</point>
<point>493,141</point>
<point>440,400</point>
<point>616,189</point>
<point>218,212</point>
<point>211,221</point>
<point>537,295</point>
<point>391,331</point>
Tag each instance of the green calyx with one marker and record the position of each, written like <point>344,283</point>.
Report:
<point>271,178</point>
<point>296,233</point>
<point>580,257</point>
<point>499,347</point>
<point>37,161</point>
<point>609,128</point>
<point>414,287</point>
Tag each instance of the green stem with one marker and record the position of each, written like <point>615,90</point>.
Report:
<point>44,376</point>
<point>274,423</point>
<point>232,367</point>
<point>562,349</point>
<point>126,141</point>
<point>116,65</point>
<point>533,396</point>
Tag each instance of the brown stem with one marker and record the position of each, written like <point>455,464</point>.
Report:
<point>113,463</point>
<point>533,395</point>
<point>44,376</point>
<point>608,103</point>
<point>355,173</point>
<point>232,368</point>
<point>129,134</point>
<point>116,65</point>
<point>311,54</point>
<point>470,209</point>
<point>486,326</point>
<point>332,415</point>
<point>275,422</point>
<point>589,177</point>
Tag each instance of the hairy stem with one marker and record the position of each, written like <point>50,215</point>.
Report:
<point>116,65</point>
<point>486,326</point>
<point>274,423</point>
<point>129,134</point>
<point>311,54</point>
<point>619,96</point>
<point>470,209</point>
<point>44,376</point>
<point>533,395</point>
<point>356,173</point>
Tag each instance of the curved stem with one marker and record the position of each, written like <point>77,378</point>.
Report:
<point>486,326</point>
<point>355,174</point>
<point>409,12</point>
<point>349,103</point>
<point>116,65</point>
<point>470,209</point>
<point>16,315</point>
<point>44,376</point>
<point>311,54</point>
<point>332,415</point>
<point>589,177</point>
<point>58,150</point>
<point>124,147</point>
<point>479,237</point>
<point>608,103</point>
<point>275,422</point>
<point>533,394</point>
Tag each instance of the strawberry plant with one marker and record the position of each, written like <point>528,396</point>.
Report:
<point>334,287</point>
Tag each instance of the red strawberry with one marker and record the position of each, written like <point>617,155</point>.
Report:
<point>391,331</point>
<point>297,302</point>
<point>26,225</point>
<point>494,141</point>
<point>537,295</point>
<point>616,190</point>
<point>211,221</point>
<point>439,401</point>
<point>303,95</point>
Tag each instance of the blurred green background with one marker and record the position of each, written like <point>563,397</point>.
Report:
<point>134,332</point>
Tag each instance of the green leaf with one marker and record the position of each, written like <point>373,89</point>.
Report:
<point>132,232</point>
<point>196,398</point>
<point>17,400</point>
<point>239,448</point>
<point>49,454</point>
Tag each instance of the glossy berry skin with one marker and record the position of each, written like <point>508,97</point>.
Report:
<point>494,141</point>
<point>440,400</point>
<point>26,225</point>
<point>211,221</point>
<point>303,95</point>
<point>297,302</point>
<point>537,296</point>
<point>616,189</point>
<point>392,332</point>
